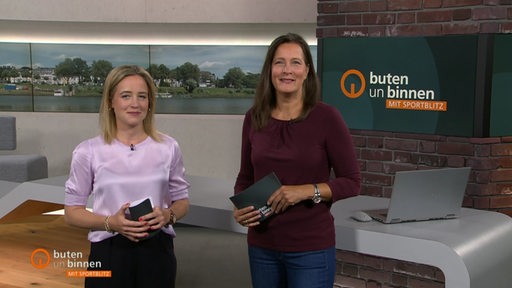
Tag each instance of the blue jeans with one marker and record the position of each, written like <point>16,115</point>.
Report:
<point>274,269</point>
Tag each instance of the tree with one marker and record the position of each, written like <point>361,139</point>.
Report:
<point>251,80</point>
<point>190,85</point>
<point>234,78</point>
<point>65,70</point>
<point>220,83</point>
<point>160,73</point>
<point>187,71</point>
<point>75,67</point>
<point>100,70</point>
<point>26,72</point>
<point>81,69</point>
<point>153,70</point>
<point>7,72</point>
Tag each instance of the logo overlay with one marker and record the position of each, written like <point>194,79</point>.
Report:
<point>71,261</point>
<point>393,88</point>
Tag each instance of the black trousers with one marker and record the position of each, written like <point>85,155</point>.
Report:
<point>148,263</point>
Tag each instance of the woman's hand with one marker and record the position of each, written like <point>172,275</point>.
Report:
<point>158,218</point>
<point>289,195</point>
<point>247,216</point>
<point>133,230</point>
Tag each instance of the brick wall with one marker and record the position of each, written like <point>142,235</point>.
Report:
<point>381,154</point>
<point>381,18</point>
<point>365,271</point>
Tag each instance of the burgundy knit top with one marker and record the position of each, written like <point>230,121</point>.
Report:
<point>300,152</point>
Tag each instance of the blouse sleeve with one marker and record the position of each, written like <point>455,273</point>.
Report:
<point>178,185</point>
<point>78,187</point>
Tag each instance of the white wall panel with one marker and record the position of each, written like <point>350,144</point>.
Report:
<point>161,11</point>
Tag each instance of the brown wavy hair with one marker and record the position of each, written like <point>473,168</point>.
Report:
<point>265,98</point>
<point>108,124</point>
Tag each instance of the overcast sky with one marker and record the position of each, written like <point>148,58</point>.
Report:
<point>215,59</point>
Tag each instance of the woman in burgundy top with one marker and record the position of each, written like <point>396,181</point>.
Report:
<point>309,147</point>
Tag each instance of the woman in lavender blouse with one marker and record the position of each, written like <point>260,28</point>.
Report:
<point>127,162</point>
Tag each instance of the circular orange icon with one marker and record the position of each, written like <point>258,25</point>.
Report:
<point>352,93</point>
<point>40,264</point>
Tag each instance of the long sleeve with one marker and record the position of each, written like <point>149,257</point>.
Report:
<point>300,152</point>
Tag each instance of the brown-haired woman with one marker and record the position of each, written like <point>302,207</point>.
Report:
<point>290,132</point>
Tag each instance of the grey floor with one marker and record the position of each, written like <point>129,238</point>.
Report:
<point>211,258</point>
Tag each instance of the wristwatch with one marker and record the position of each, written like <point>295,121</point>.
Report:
<point>316,197</point>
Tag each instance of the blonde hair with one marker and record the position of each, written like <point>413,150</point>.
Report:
<point>108,124</point>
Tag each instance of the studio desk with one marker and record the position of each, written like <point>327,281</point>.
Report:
<point>474,250</point>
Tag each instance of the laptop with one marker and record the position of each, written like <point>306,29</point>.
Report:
<point>421,195</point>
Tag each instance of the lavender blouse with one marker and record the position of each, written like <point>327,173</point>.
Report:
<point>115,174</point>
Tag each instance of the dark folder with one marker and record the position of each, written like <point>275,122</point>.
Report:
<point>140,208</point>
<point>257,195</point>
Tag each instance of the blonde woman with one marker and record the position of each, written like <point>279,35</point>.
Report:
<point>127,162</point>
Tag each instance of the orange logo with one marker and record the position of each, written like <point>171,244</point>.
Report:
<point>352,93</point>
<point>40,264</point>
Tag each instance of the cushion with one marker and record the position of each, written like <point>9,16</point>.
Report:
<point>22,168</point>
<point>7,133</point>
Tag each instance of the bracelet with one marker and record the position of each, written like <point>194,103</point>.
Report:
<point>172,218</point>
<point>107,226</point>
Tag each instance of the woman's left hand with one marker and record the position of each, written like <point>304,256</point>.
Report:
<point>155,219</point>
<point>160,217</point>
<point>289,195</point>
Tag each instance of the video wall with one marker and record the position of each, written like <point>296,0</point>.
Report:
<point>501,101</point>
<point>404,84</point>
<point>191,79</point>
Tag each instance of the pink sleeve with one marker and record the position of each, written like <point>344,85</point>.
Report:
<point>78,187</point>
<point>178,185</point>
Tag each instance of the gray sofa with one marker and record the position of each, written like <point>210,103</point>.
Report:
<point>16,167</point>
